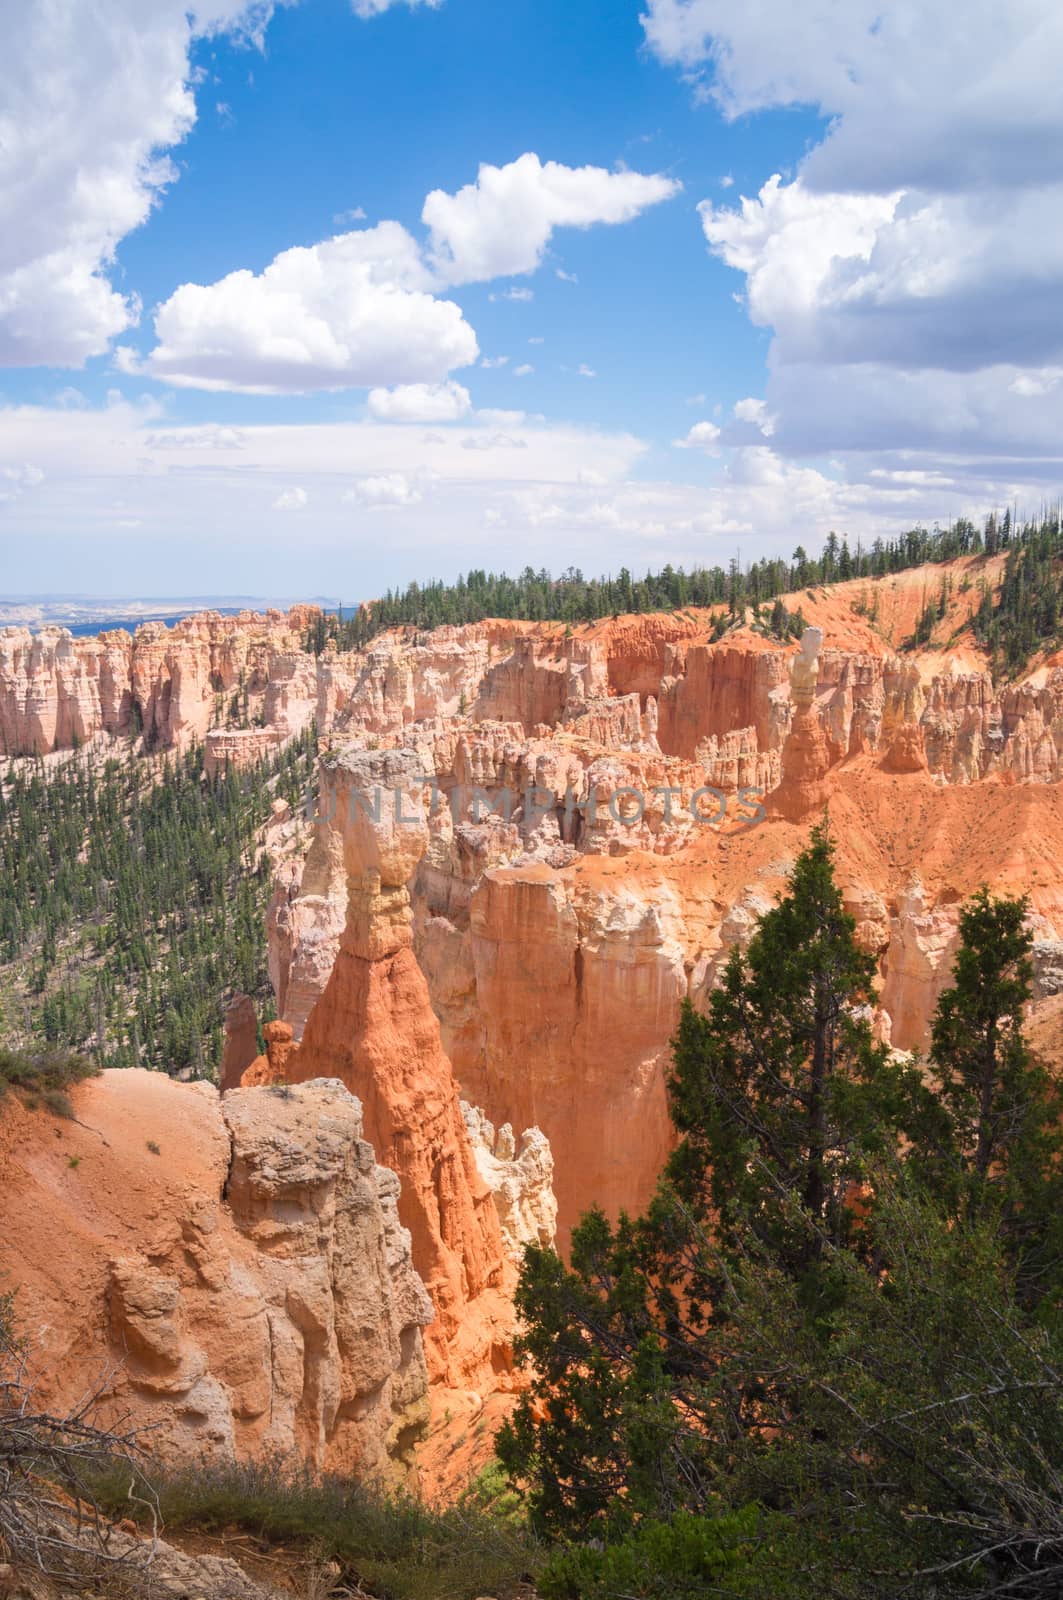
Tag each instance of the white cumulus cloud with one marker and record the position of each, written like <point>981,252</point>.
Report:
<point>896,268</point>
<point>756,412</point>
<point>347,312</point>
<point>91,99</point>
<point>94,97</point>
<point>420,402</point>
<point>363,308</point>
<point>295,499</point>
<point>500,225</point>
<point>702,436</point>
<point>373,8</point>
<point>789,243</point>
<point>907,278</point>
<point>386,489</point>
<point>877,68</point>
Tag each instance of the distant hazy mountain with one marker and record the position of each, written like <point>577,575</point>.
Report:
<point>83,613</point>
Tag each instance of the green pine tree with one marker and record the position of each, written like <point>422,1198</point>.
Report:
<point>1005,1109</point>
<point>781,1098</point>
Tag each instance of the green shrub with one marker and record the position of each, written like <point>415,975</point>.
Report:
<point>59,1103</point>
<point>492,1492</point>
<point>683,1559</point>
<point>392,1546</point>
<point>43,1077</point>
<point>7,1316</point>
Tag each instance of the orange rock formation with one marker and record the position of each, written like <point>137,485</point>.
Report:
<point>374,1028</point>
<point>230,1272</point>
<point>558,945</point>
<point>274,1066</point>
<point>806,755</point>
<point>173,684</point>
<point>241,1041</point>
<point>447,921</point>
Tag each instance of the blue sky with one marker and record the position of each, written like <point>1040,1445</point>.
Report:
<point>375,116</point>
<point>695,278</point>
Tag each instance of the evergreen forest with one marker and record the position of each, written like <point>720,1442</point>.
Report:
<point>827,1359</point>
<point>133,908</point>
<point>1023,617</point>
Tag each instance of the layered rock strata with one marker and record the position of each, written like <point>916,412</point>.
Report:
<point>652,684</point>
<point>229,1273</point>
<point>560,918</point>
<point>170,685</point>
<point>373,1027</point>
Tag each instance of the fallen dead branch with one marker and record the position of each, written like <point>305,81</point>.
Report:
<point>51,1521</point>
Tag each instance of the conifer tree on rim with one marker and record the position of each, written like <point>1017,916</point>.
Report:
<point>781,1096</point>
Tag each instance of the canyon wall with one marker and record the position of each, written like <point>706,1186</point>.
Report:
<point>170,684</point>
<point>652,683</point>
<point>531,846</point>
<point>578,883</point>
<point>373,1027</point>
<point>228,1272</point>
<point>600,812</point>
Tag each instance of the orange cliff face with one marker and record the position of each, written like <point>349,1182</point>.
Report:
<point>373,1027</point>
<point>171,684</point>
<point>229,1273</point>
<point>557,943</point>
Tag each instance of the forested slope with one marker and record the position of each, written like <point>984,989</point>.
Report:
<point>131,907</point>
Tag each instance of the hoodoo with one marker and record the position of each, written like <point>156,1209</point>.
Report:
<point>171,684</point>
<point>374,1028</point>
<point>802,789</point>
